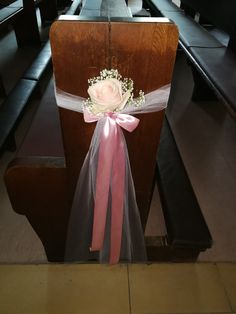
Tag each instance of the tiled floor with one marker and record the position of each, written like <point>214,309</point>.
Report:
<point>137,289</point>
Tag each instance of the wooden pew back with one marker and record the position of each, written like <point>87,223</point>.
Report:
<point>142,49</point>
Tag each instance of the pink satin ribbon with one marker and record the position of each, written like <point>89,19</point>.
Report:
<point>110,176</point>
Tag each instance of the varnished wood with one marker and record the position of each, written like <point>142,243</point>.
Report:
<point>148,59</point>
<point>143,51</point>
<point>36,188</point>
<point>85,53</point>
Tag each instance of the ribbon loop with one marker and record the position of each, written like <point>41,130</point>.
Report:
<point>127,122</point>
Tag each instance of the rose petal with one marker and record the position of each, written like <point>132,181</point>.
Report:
<point>124,100</point>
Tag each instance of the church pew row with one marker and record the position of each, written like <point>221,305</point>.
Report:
<point>213,63</point>
<point>14,105</point>
<point>187,231</point>
<point>23,168</point>
<point>11,112</point>
<point>22,16</point>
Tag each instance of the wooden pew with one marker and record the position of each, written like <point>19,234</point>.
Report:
<point>213,62</point>
<point>217,14</point>
<point>48,9</point>
<point>75,7</point>
<point>22,16</point>
<point>187,231</point>
<point>15,103</point>
<point>105,8</point>
<point>8,14</point>
<point>42,187</point>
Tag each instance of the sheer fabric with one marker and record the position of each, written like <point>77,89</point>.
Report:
<point>81,224</point>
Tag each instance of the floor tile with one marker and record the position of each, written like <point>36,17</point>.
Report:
<point>60,289</point>
<point>176,288</point>
<point>228,275</point>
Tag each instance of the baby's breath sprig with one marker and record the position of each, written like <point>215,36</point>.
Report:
<point>137,102</point>
<point>105,74</point>
<point>127,86</point>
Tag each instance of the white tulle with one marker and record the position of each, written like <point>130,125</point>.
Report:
<point>81,219</point>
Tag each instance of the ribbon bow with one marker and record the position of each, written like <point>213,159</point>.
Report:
<point>110,177</point>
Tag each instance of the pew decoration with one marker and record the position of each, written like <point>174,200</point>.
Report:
<point>105,222</point>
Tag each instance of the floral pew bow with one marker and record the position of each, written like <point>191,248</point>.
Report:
<point>105,220</point>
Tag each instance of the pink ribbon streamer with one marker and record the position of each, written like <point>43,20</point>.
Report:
<point>125,220</point>
<point>110,175</point>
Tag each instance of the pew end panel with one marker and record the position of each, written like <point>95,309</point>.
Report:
<point>36,187</point>
<point>143,49</point>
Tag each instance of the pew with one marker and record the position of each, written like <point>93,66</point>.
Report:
<point>217,14</point>
<point>41,179</point>
<point>11,112</point>
<point>48,9</point>
<point>75,7</point>
<point>105,8</point>
<point>8,15</point>
<point>15,103</point>
<point>39,66</point>
<point>187,230</point>
<point>22,16</point>
<point>213,62</point>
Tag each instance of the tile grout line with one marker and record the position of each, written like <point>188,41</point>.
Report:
<point>224,287</point>
<point>129,294</point>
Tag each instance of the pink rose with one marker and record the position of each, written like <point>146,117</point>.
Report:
<point>106,96</point>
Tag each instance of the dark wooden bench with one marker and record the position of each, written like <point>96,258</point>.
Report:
<point>22,16</point>
<point>187,231</point>
<point>74,8</point>
<point>40,66</point>
<point>11,112</point>
<point>213,63</point>
<point>13,107</point>
<point>7,16</point>
<point>105,8</point>
<point>48,9</point>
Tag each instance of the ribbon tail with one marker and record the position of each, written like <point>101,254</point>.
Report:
<point>105,157</point>
<point>118,190</point>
